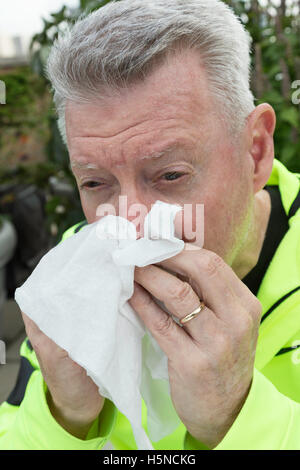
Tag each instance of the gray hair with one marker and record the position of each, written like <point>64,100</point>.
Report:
<point>121,42</point>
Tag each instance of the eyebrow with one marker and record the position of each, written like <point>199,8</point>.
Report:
<point>83,166</point>
<point>167,154</point>
<point>154,156</point>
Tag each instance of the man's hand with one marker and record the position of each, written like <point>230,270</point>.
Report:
<point>210,358</point>
<point>73,398</point>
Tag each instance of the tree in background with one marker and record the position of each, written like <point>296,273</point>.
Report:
<point>275,28</point>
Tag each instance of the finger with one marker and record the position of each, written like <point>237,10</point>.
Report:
<point>214,282</point>
<point>43,345</point>
<point>30,326</point>
<point>178,297</point>
<point>182,297</point>
<point>171,338</point>
<point>206,260</point>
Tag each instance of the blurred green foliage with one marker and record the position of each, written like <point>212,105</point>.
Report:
<point>275,65</point>
<point>26,121</point>
<point>40,47</point>
<point>22,88</point>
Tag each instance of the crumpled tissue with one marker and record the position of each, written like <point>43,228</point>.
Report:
<point>78,296</point>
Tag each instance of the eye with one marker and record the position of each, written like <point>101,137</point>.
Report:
<point>90,184</point>
<point>174,175</point>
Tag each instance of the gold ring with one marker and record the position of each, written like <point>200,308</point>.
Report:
<point>192,315</point>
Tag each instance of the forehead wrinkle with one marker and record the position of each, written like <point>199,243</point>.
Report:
<point>166,154</point>
<point>83,166</point>
<point>154,155</point>
<point>166,149</point>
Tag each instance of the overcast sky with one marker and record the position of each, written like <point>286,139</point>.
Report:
<point>23,17</point>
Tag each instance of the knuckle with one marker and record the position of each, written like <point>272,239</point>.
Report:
<point>223,343</point>
<point>246,326</point>
<point>164,325</point>
<point>44,347</point>
<point>37,344</point>
<point>146,301</point>
<point>181,292</point>
<point>210,263</point>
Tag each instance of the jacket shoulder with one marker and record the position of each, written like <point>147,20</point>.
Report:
<point>74,229</point>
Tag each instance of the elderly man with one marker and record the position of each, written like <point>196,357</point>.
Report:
<point>154,104</point>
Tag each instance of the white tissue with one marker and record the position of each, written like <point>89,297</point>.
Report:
<point>78,296</point>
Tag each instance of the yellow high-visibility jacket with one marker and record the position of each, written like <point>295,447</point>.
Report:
<point>270,417</point>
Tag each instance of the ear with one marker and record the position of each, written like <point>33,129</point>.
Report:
<point>260,132</point>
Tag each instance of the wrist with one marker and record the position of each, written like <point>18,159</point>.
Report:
<point>75,422</point>
<point>212,437</point>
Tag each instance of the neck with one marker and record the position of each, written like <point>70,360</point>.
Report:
<point>248,255</point>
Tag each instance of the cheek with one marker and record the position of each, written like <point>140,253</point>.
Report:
<point>89,207</point>
<point>190,224</point>
<point>225,216</point>
<point>215,218</point>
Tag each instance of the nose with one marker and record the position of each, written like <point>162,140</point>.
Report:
<point>134,207</point>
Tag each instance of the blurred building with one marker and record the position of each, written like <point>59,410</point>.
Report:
<point>14,50</point>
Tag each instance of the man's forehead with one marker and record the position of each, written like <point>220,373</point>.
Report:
<point>178,87</point>
<point>166,154</point>
<point>82,163</point>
